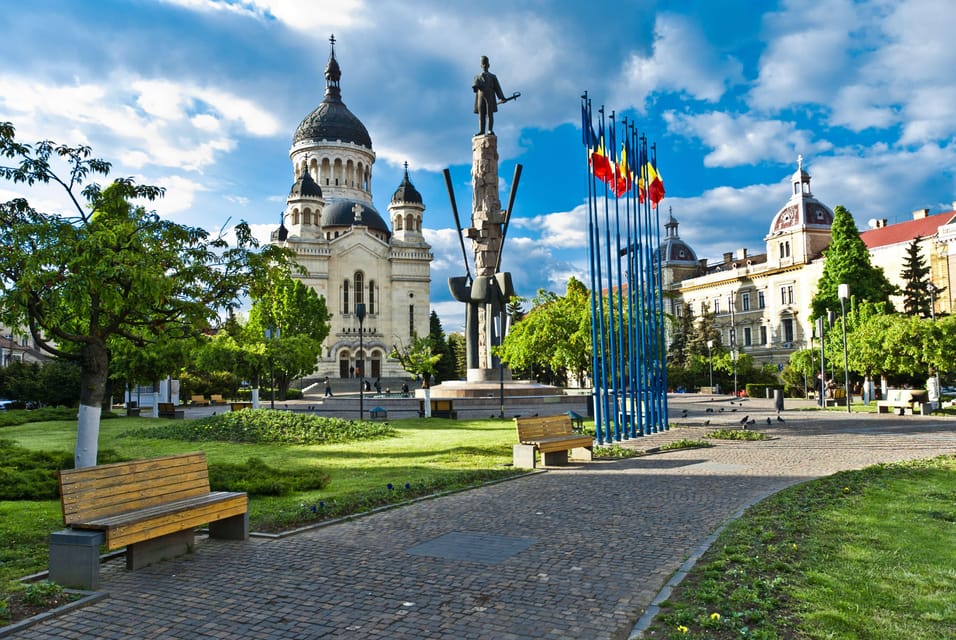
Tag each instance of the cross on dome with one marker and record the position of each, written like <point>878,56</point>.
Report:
<point>357,210</point>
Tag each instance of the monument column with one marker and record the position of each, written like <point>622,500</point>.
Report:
<point>487,221</point>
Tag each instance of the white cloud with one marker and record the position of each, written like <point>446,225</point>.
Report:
<point>683,61</point>
<point>807,56</point>
<point>179,196</point>
<point>567,229</point>
<point>743,139</point>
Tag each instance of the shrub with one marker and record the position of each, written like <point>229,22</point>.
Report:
<point>31,475</point>
<point>685,444</point>
<point>268,426</point>
<point>736,434</point>
<point>46,414</point>
<point>257,478</point>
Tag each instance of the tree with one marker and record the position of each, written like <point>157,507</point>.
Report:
<point>445,370</point>
<point>848,262</point>
<point>107,270</point>
<point>705,331</point>
<point>553,340</point>
<point>418,358</point>
<point>678,353</point>
<point>916,298</point>
<point>297,320</point>
<point>457,344</point>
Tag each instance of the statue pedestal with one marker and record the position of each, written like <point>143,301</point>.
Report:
<point>488,375</point>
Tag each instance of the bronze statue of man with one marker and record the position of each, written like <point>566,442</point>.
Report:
<point>488,95</point>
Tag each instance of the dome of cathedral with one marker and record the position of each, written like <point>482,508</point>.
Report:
<point>342,213</point>
<point>673,249</point>
<point>331,120</point>
<point>305,187</point>
<point>406,192</point>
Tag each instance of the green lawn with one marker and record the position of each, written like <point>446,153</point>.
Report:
<point>861,554</point>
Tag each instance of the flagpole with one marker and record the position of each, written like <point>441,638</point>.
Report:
<point>659,290</point>
<point>587,130</point>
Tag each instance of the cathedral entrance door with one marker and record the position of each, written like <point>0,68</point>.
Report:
<point>344,368</point>
<point>376,368</point>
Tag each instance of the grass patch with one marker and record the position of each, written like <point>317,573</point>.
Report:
<point>615,451</point>
<point>267,425</point>
<point>860,554</point>
<point>684,443</point>
<point>736,434</point>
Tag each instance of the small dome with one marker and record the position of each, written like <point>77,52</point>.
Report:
<point>406,192</point>
<point>802,210</point>
<point>341,213</point>
<point>673,248</point>
<point>305,186</point>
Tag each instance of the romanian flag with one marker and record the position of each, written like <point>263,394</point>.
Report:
<point>624,179</point>
<point>655,185</point>
<point>600,164</point>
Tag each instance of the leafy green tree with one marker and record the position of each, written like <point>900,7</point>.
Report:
<point>106,269</point>
<point>418,358</point>
<point>705,329</point>
<point>848,262</point>
<point>553,340</point>
<point>296,319</point>
<point>915,274</point>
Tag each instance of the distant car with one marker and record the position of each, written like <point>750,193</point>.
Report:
<point>949,390</point>
<point>6,404</point>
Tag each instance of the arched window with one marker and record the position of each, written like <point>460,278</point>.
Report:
<point>398,223</point>
<point>359,280</point>
<point>371,297</point>
<point>345,297</point>
<point>307,216</point>
<point>295,216</point>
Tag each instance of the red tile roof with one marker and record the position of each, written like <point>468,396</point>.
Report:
<point>905,231</point>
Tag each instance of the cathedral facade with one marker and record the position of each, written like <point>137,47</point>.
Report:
<point>353,257</point>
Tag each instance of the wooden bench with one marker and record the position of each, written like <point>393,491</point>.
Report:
<point>903,402</point>
<point>553,436</point>
<point>169,410</point>
<point>199,401</point>
<point>216,399</point>
<point>240,406</point>
<point>151,507</point>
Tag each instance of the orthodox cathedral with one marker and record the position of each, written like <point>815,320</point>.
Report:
<point>352,256</point>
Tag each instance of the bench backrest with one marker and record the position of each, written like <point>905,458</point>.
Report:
<point>110,489</point>
<point>899,395</point>
<point>166,407</point>
<point>543,427</point>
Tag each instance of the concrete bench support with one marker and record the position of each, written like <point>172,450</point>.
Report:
<point>75,558</point>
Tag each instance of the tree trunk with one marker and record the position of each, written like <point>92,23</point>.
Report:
<point>94,367</point>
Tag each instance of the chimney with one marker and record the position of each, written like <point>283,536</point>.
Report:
<point>919,214</point>
<point>729,256</point>
<point>880,223</point>
<point>741,254</point>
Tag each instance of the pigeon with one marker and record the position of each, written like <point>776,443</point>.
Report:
<point>745,419</point>
<point>706,422</point>
<point>734,409</point>
<point>683,413</point>
<point>721,408</point>
<point>779,419</point>
<point>768,420</point>
<point>710,409</point>
<point>752,422</point>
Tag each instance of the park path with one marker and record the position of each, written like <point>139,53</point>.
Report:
<point>578,552</point>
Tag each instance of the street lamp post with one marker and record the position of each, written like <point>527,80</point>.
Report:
<point>843,291</point>
<point>710,363</point>
<point>823,370</point>
<point>932,312</point>
<point>360,314</point>
<point>733,336</point>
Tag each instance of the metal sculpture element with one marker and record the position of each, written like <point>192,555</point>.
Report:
<point>488,95</point>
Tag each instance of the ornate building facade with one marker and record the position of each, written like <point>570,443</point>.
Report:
<point>762,299</point>
<point>352,256</point>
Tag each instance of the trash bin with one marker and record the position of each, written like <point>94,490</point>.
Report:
<point>778,399</point>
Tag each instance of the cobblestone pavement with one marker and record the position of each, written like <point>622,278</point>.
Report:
<point>571,553</point>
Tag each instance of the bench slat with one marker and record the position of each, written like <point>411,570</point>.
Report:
<point>92,491</point>
<point>125,529</point>
<point>550,433</point>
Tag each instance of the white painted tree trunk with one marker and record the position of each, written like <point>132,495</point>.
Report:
<point>87,436</point>
<point>255,398</point>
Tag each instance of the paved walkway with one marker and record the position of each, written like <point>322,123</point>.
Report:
<point>573,553</point>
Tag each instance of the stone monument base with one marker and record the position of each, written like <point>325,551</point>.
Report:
<point>490,388</point>
<point>488,375</point>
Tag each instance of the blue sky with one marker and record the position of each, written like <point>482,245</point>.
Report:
<point>203,96</point>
